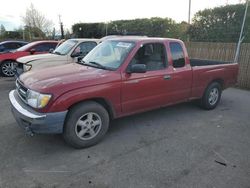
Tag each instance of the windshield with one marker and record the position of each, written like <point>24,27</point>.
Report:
<point>109,54</point>
<point>65,47</point>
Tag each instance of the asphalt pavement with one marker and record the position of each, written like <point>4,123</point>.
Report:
<point>178,146</point>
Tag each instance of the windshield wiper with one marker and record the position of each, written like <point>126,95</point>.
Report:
<point>96,65</point>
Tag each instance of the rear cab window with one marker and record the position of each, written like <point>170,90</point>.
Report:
<point>177,55</point>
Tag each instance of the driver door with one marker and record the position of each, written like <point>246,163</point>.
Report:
<point>144,91</point>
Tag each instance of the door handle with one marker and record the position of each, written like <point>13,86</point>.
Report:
<point>167,77</point>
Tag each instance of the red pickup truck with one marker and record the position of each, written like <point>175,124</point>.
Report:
<point>119,77</point>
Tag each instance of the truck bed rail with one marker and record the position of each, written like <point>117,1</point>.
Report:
<point>202,62</point>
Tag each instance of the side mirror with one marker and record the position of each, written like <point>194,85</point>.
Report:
<point>76,54</point>
<point>51,50</point>
<point>32,51</point>
<point>138,68</point>
<point>79,58</point>
<point>179,63</point>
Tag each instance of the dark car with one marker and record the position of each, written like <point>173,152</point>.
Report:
<point>8,59</point>
<point>7,46</point>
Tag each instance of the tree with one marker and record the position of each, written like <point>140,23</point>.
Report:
<point>157,27</point>
<point>221,24</point>
<point>53,34</point>
<point>36,23</point>
<point>89,30</point>
<point>67,34</point>
<point>182,30</point>
<point>2,30</point>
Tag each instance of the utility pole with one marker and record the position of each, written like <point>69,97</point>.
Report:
<point>189,13</point>
<point>189,19</point>
<point>23,33</point>
<point>236,58</point>
<point>61,27</point>
<point>106,28</point>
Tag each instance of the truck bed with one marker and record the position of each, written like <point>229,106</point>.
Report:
<point>202,62</point>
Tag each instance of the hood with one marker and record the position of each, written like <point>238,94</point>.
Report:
<point>66,77</point>
<point>40,58</point>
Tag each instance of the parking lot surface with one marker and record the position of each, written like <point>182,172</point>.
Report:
<point>178,146</point>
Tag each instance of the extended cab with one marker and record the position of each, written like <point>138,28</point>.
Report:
<point>119,77</point>
<point>69,51</point>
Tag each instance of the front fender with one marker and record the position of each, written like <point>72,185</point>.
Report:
<point>109,92</point>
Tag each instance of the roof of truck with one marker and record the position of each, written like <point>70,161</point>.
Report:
<point>142,39</point>
<point>84,39</point>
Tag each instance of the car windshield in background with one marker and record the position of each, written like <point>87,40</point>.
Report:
<point>65,47</point>
<point>109,54</point>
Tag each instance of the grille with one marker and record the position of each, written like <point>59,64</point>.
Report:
<point>21,90</point>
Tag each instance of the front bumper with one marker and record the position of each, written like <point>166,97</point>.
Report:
<point>34,122</point>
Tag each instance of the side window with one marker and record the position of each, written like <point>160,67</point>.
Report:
<point>84,48</point>
<point>45,47</point>
<point>18,45</point>
<point>10,46</point>
<point>1,48</point>
<point>177,55</point>
<point>153,55</point>
<point>51,46</point>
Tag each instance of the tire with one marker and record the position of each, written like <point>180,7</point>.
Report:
<point>86,124</point>
<point>7,68</point>
<point>211,96</point>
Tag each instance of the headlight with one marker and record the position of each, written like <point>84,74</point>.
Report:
<point>37,100</point>
<point>27,67</point>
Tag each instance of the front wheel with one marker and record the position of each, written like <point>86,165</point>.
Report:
<point>8,68</point>
<point>212,96</point>
<point>86,124</point>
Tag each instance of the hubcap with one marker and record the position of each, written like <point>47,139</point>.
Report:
<point>88,126</point>
<point>8,69</point>
<point>213,96</point>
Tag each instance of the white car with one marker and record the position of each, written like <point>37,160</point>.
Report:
<point>70,51</point>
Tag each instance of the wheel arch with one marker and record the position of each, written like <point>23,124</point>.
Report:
<point>101,101</point>
<point>2,61</point>
<point>217,80</point>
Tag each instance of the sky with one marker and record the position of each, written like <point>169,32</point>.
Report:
<point>75,11</point>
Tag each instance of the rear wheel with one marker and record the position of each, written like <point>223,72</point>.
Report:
<point>86,124</point>
<point>8,68</point>
<point>212,96</point>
